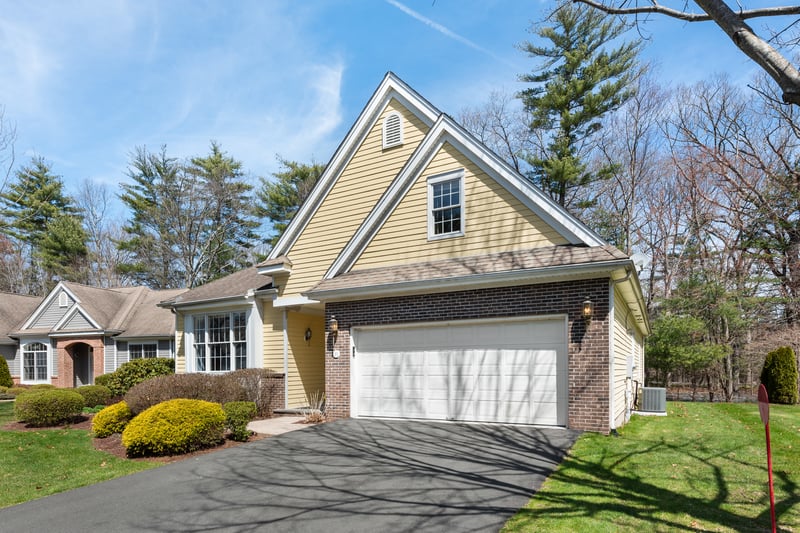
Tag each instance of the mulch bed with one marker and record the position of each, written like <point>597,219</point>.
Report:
<point>113,444</point>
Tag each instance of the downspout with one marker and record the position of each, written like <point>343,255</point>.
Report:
<point>285,358</point>
<point>612,423</point>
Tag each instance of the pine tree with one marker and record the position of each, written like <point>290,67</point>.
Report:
<point>279,199</point>
<point>579,83</point>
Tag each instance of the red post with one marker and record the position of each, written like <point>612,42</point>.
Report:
<point>763,409</point>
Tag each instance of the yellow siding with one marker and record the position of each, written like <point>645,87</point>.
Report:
<point>623,348</point>
<point>307,364</point>
<point>495,220</point>
<point>358,189</point>
<point>180,353</point>
<point>272,337</point>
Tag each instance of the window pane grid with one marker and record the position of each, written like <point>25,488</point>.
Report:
<point>446,210</point>
<point>220,342</point>
<point>34,362</point>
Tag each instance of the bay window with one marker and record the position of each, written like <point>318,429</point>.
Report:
<point>220,341</point>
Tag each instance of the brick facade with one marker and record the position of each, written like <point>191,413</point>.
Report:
<point>65,352</point>
<point>588,367</point>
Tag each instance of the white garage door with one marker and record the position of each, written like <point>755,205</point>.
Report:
<point>509,371</point>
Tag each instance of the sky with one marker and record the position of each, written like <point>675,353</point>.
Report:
<point>86,82</point>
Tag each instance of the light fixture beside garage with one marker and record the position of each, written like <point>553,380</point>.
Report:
<point>588,310</point>
<point>333,326</point>
<point>307,336</point>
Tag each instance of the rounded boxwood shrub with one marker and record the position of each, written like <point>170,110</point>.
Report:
<point>95,394</point>
<point>237,415</point>
<point>110,420</point>
<point>42,386</point>
<point>174,427</point>
<point>16,391</point>
<point>129,374</point>
<point>42,408</point>
<point>779,376</point>
<point>5,374</point>
<point>102,379</point>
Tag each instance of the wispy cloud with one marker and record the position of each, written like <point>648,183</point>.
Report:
<point>447,32</point>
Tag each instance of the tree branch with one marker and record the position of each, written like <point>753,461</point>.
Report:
<point>732,23</point>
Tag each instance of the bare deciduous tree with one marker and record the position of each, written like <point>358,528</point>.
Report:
<point>732,22</point>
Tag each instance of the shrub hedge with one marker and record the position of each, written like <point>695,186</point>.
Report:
<point>112,419</point>
<point>174,427</point>
<point>95,394</point>
<point>5,374</point>
<point>42,408</point>
<point>16,391</point>
<point>779,376</point>
<point>218,388</point>
<point>133,372</point>
<point>237,415</point>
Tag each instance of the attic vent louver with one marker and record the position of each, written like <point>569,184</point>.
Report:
<point>392,130</point>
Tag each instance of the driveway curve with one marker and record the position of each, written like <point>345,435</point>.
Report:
<point>353,475</point>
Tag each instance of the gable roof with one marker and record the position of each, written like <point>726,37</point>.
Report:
<point>237,285</point>
<point>446,130</point>
<point>390,87</point>
<point>110,311</point>
<point>467,272</point>
<point>14,310</point>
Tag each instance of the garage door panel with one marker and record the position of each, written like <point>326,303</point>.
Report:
<point>487,372</point>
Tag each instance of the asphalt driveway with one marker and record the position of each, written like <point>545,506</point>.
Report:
<point>349,475</point>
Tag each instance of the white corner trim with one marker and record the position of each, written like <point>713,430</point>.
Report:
<point>611,322</point>
<point>291,301</point>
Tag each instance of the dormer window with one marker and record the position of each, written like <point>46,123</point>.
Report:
<point>446,205</point>
<point>63,299</point>
<point>392,130</point>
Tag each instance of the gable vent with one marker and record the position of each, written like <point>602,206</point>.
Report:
<point>392,130</point>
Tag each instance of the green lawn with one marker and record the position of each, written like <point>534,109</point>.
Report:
<point>702,468</point>
<point>37,463</point>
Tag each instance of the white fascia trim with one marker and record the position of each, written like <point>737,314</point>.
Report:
<point>69,315</point>
<point>46,303</point>
<point>536,200</point>
<point>447,130</point>
<point>495,279</point>
<point>60,335</point>
<point>213,303</point>
<point>292,301</point>
<point>390,87</point>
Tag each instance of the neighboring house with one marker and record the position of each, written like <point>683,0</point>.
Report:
<point>78,332</point>
<point>14,309</point>
<point>425,278</point>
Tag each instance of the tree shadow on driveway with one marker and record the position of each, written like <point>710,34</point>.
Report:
<point>366,475</point>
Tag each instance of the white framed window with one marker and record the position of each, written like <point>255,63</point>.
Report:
<point>446,205</point>
<point>143,350</point>
<point>63,299</point>
<point>392,130</point>
<point>220,341</point>
<point>34,363</point>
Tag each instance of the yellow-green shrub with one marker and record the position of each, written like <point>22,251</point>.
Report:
<point>48,407</point>
<point>16,391</point>
<point>110,420</point>
<point>174,427</point>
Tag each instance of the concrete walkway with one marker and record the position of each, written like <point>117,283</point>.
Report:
<point>351,475</point>
<point>277,425</point>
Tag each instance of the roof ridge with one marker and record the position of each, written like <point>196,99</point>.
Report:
<point>125,312</point>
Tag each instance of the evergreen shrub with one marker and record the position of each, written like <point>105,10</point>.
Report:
<point>174,427</point>
<point>41,408</point>
<point>779,376</point>
<point>95,394</point>
<point>5,374</point>
<point>237,416</point>
<point>112,419</point>
<point>133,372</point>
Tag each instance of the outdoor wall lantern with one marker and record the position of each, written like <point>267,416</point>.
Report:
<point>308,334</point>
<point>334,327</point>
<point>588,310</point>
